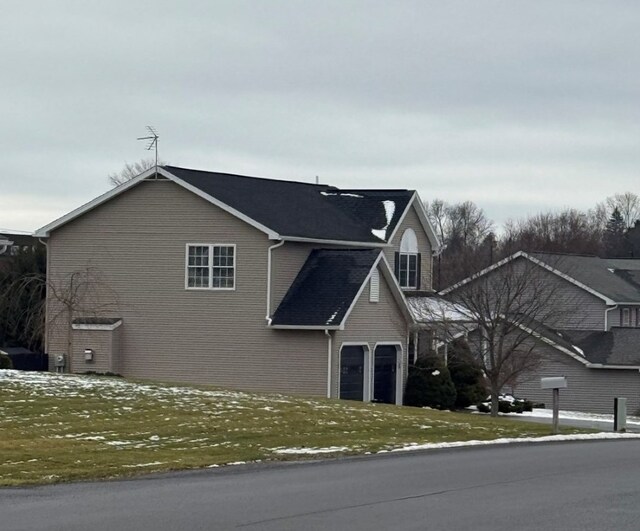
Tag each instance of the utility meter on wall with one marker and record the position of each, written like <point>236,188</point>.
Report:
<point>59,361</point>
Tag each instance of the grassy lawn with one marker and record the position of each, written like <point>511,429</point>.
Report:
<point>57,428</point>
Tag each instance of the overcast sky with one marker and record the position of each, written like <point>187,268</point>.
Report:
<point>519,106</point>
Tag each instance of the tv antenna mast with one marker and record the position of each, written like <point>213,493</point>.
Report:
<point>153,143</point>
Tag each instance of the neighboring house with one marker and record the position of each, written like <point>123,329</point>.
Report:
<point>12,242</point>
<point>240,282</point>
<point>595,341</point>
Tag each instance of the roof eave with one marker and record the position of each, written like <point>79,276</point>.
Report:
<point>305,327</point>
<point>333,242</point>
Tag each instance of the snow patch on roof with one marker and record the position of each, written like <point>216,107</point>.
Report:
<point>333,316</point>
<point>341,194</point>
<point>428,309</point>
<point>389,211</point>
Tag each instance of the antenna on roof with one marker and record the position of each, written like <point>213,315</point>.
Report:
<point>153,143</point>
<point>317,179</point>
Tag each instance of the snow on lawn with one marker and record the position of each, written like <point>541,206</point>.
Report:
<point>506,440</point>
<point>573,415</point>
<point>59,427</point>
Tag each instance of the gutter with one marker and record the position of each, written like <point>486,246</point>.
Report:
<point>606,317</point>
<point>268,316</point>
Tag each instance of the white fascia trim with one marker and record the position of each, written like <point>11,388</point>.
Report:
<point>332,242</point>
<point>540,263</point>
<point>416,203</point>
<point>614,367</point>
<point>45,231</point>
<point>552,343</point>
<point>306,327</point>
<point>77,326</point>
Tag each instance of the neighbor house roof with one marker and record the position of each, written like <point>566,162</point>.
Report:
<point>618,346</point>
<point>612,278</point>
<point>288,209</point>
<point>616,281</point>
<point>328,286</point>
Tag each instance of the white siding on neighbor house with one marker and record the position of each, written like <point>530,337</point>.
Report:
<point>137,243</point>
<point>589,390</point>
<point>412,221</point>
<point>368,324</point>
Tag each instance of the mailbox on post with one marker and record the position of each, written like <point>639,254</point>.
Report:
<point>556,383</point>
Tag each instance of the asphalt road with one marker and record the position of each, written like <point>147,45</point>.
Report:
<point>585,486</point>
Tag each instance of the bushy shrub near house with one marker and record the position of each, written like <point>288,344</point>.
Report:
<point>467,377</point>
<point>5,362</point>
<point>429,384</point>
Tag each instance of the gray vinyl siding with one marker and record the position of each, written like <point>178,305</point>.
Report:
<point>589,390</point>
<point>370,323</point>
<point>580,309</point>
<point>572,307</point>
<point>137,242</point>
<point>104,344</point>
<point>412,221</point>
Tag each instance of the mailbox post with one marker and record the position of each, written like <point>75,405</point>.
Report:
<point>556,383</point>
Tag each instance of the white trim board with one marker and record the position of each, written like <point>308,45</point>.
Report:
<point>87,326</point>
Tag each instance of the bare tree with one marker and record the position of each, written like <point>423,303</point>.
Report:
<point>511,308</point>
<point>567,231</point>
<point>628,205</point>
<point>467,235</point>
<point>81,293</point>
<point>131,170</point>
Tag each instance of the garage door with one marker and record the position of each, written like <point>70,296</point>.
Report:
<point>352,373</point>
<point>384,374</point>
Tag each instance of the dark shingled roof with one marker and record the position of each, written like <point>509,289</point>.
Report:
<point>325,288</point>
<point>617,279</point>
<point>304,210</point>
<point>618,346</point>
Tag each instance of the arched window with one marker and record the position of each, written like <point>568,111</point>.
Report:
<point>408,261</point>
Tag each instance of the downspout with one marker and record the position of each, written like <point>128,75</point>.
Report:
<point>329,349</point>
<point>606,317</point>
<point>268,317</point>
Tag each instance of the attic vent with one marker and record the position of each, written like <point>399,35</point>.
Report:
<point>374,287</point>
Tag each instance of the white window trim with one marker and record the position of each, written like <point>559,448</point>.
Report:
<point>210,246</point>
<point>399,367</point>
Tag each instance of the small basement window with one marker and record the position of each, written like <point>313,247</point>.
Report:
<point>211,266</point>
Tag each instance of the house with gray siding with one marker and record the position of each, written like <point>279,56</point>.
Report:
<point>240,282</point>
<point>595,339</point>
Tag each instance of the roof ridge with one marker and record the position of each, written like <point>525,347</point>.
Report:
<point>314,185</point>
<point>555,253</point>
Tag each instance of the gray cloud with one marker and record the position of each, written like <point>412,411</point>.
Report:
<point>519,106</point>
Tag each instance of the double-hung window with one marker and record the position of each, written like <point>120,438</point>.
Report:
<point>408,261</point>
<point>211,266</point>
